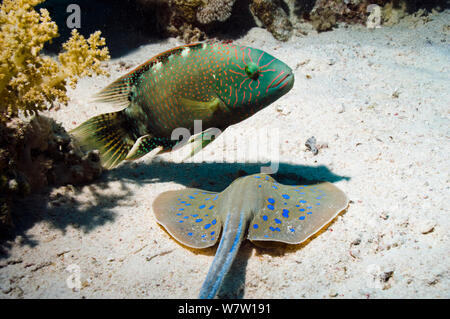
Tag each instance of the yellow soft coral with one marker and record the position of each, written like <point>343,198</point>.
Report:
<point>31,82</point>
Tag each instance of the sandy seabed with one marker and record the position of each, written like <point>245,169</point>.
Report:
<point>379,100</point>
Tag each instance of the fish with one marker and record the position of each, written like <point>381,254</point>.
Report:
<point>255,207</point>
<point>218,83</point>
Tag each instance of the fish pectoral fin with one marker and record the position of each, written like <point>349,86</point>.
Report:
<point>199,141</point>
<point>142,146</point>
<point>201,109</point>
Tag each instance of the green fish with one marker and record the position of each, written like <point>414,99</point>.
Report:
<point>218,83</point>
<point>254,207</point>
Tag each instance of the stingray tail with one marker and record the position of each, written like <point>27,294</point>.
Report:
<point>108,133</point>
<point>232,236</point>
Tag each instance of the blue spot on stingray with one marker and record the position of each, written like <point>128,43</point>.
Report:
<point>181,209</point>
<point>319,198</point>
<point>214,222</point>
<point>189,234</point>
<point>217,196</point>
<point>317,203</point>
<point>186,217</point>
<point>297,205</point>
<point>309,207</point>
<point>271,228</point>
<point>302,193</point>
<point>285,196</point>
<point>255,226</point>
<point>207,198</point>
<point>302,209</point>
<point>270,207</point>
<point>309,213</point>
<point>271,200</point>
<point>256,176</point>
<point>211,207</point>
<point>212,233</point>
<point>207,226</point>
<point>277,229</point>
<point>180,221</point>
<point>201,206</point>
<point>191,197</point>
<point>274,187</point>
<point>267,178</point>
<point>188,204</point>
<point>212,238</point>
<point>182,202</point>
<point>203,236</point>
<point>264,217</point>
<point>179,198</point>
<point>195,215</point>
<point>266,236</point>
<point>292,229</point>
<point>301,217</point>
<point>259,186</point>
<point>179,214</point>
<point>285,213</point>
<point>277,221</point>
<point>198,220</point>
<point>302,201</point>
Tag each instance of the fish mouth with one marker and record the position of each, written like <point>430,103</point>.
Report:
<point>281,81</point>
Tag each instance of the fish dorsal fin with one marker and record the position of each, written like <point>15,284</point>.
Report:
<point>190,216</point>
<point>119,92</point>
<point>292,214</point>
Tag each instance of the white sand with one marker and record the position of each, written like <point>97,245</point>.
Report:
<point>379,98</point>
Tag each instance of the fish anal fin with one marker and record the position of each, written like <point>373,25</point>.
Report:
<point>141,147</point>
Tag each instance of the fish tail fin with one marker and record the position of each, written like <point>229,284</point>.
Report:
<point>108,134</point>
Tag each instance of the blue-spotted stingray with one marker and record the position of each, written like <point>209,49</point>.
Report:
<point>256,207</point>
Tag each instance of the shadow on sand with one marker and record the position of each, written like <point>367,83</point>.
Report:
<point>98,211</point>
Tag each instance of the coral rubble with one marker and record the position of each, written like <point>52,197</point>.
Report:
<point>38,152</point>
<point>273,18</point>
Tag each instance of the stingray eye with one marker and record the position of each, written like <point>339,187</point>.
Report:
<point>252,71</point>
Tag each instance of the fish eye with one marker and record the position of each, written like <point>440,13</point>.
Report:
<point>252,70</point>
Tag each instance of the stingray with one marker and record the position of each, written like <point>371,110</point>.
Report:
<point>255,207</point>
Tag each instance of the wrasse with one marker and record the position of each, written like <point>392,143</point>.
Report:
<point>218,83</point>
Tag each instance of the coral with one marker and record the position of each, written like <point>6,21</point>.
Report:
<point>392,13</point>
<point>273,18</point>
<point>38,152</point>
<point>30,82</point>
<point>215,10</point>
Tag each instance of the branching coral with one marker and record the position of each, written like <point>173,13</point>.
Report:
<point>31,82</point>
